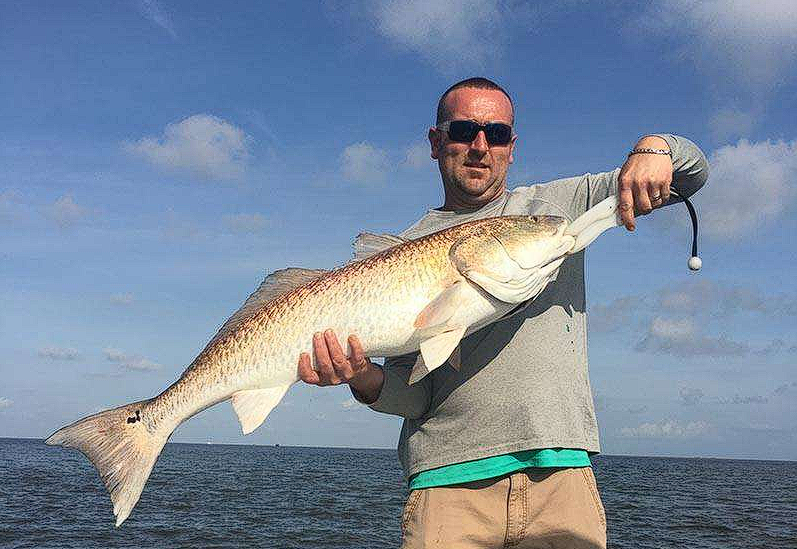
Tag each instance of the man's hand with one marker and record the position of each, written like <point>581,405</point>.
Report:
<point>334,367</point>
<point>644,181</point>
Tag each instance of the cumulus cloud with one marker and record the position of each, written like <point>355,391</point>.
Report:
<point>449,33</point>
<point>417,155</point>
<point>752,186</point>
<point>732,123</point>
<point>245,222</point>
<point>691,396</point>
<point>680,337</point>
<point>614,315</point>
<point>122,299</point>
<point>666,429</point>
<point>5,402</point>
<point>786,389</point>
<point>719,299</point>
<point>737,399</point>
<point>363,163</point>
<point>753,42</point>
<point>130,362</point>
<point>66,212</point>
<point>152,10</point>
<point>202,144</point>
<point>59,353</point>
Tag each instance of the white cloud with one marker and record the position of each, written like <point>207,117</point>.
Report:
<point>751,41</point>
<point>59,353</point>
<point>417,155</point>
<point>122,299</point>
<point>5,402</point>
<point>666,429</point>
<point>364,163</point>
<point>202,144</point>
<point>152,10</point>
<point>690,396</point>
<point>751,186</point>
<point>131,362</point>
<point>680,337</point>
<point>245,222</point>
<point>730,123</point>
<point>66,212</point>
<point>449,33</point>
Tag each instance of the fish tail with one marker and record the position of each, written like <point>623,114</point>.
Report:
<point>123,444</point>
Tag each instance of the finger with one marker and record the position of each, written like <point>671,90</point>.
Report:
<point>306,372</point>
<point>642,199</point>
<point>339,359</point>
<point>325,370</point>
<point>664,189</point>
<point>357,359</point>
<point>627,205</point>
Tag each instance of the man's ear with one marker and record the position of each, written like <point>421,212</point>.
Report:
<point>435,141</point>
<point>512,149</point>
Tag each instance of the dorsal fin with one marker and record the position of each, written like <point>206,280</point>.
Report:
<point>274,285</point>
<point>368,244</point>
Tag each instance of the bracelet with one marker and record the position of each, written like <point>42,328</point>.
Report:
<point>650,151</point>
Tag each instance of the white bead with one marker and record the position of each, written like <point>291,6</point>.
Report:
<point>695,263</point>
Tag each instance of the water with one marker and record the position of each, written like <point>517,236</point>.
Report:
<point>258,496</point>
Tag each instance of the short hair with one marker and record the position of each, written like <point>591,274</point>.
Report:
<point>477,82</point>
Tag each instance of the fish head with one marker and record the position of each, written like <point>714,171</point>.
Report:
<point>514,257</point>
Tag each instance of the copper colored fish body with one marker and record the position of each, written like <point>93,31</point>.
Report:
<point>398,296</point>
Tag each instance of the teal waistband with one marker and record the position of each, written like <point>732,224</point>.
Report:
<point>495,466</point>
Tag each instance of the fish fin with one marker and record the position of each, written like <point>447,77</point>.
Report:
<point>441,308</point>
<point>589,225</point>
<point>253,406</point>
<point>274,285</point>
<point>121,447</point>
<point>435,351</point>
<point>368,244</point>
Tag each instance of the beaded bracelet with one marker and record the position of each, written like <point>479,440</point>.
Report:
<point>650,151</point>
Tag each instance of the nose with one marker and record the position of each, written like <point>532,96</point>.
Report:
<point>479,142</point>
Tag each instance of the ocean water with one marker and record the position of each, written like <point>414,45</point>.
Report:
<point>220,496</point>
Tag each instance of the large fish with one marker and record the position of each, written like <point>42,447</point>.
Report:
<point>398,296</point>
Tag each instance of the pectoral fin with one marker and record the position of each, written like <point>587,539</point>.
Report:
<point>253,406</point>
<point>441,308</point>
<point>435,351</point>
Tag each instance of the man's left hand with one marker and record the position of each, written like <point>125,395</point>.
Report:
<point>644,181</point>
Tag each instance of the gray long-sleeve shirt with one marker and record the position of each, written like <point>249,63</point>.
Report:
<point>523,383</point>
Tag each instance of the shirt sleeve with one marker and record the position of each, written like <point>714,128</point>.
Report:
<point>577,194</point>
<point>397,396</point>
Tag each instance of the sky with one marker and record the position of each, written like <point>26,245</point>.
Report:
<point>159,158</point>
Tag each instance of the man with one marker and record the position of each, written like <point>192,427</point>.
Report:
<point>497,453</point>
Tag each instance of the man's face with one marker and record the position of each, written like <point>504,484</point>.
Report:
<point>475,171</point>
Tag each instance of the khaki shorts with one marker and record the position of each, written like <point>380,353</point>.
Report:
<point>533,508</point>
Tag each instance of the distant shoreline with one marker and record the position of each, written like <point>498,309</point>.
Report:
<point>285,446</point>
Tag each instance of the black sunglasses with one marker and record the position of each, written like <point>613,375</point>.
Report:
<point>465,131</point>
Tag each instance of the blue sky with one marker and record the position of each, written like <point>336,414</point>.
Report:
<point>160,157</point>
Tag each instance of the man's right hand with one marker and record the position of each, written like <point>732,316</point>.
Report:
<point>334,367</point>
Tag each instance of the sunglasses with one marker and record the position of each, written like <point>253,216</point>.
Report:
<point>465,131</point>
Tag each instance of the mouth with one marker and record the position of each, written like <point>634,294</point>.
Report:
<point>475,165</point>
